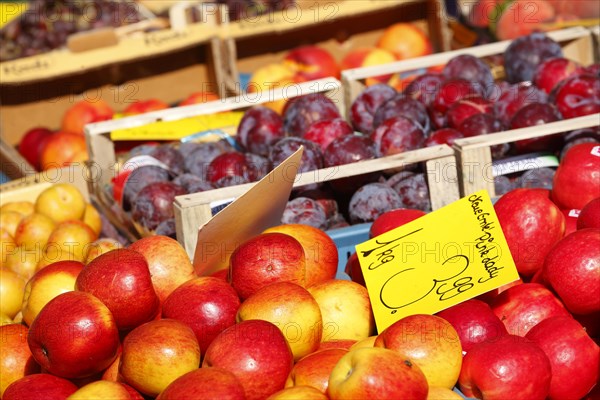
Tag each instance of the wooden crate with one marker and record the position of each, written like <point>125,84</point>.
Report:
<point>474,154</point>
<point>335,25</point>
<point>12,164</point>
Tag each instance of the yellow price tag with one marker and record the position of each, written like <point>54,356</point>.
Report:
<point>178,129</point>
<point>436,261</point>
<point>10,11</point>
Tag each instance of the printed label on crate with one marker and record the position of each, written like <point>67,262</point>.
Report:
<point>523,163</point>
<point>175,130</point>
<point>436,261</point>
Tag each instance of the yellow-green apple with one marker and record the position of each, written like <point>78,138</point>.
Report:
<point>256,352</point>
<point>292,309</point>
<point>121,280</point>
<point>46,284</point>
<point>376,373</point>
<point>589,217</point>
<point>572,354</point>
<point>208,383</point>
<point>5,319</point>
<point>522,307</point>
<point>7,244</point>
<point>144,106</point>
<point>366,342</point>
<point>337,344</point>
<point>430,342</point>
<point>23,262</point>
<point>22,207</point>
<point>61,202</point>
<point>320,251</point>
<point>11,289</point>
<point>74,336</point>
<point>32,143</point>
<point>576,179</point>
<point>92,218</point>
<point>474,321</point>
<point>106,390</point>
<point>156,353</point>
<point>62,149</point>
<point>266,258</point>
<point>314,369</point>
<point>345,308</point>
<point>310,63</point>
<point>206,304</point>
<point>101,246</point>
<point>442,393</point>
<point>405,40</point>
<point>572,268</point>
<point>72,237</point>
<point>39,386</point>
<point>84,112</point>
<point>10,219</point>
<point>513,367</point>
<point>298,392</point>
<point>16,360</point>
<point>532,224</point>
<point>168,262</point>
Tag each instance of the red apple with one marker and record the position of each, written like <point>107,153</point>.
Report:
<point>206,304</point>
<point>572,268</point>
<point>32,143</point>
<point>16,360</point>
<point>121,280</point>
<point>264,259</point>
<point>532,224</point>
<point>577,176</point>
<point>314,369</point>
<point>144,106</point>
<point>74,336</point>
<point>62,149</point>
<point>298,392</point>
<point>168,263</point>
<point>100,389</point>
<point>589,217</point>
<point>256,352</point>
<point>430,342</point>
<point>573,355</point>
<point>512,367</point>
<point>571,217</point>
<point>337,344</point>
<point>40,386</point>
<point>198,98</point>
<point>204,383</point>
<point>156,353</point>
<point>84,112</point>
<point>310,63</point>
<point>392,219</point>
<point>475,322</point>
<point>372,373</point>
<point>366,57</point>
<point>524,306</point>
<point>354,270</point>
<point>488,297</point>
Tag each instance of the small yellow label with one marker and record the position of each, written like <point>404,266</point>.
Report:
<point>11,10</point>
<point>436,261</point>
<point>175,130</point>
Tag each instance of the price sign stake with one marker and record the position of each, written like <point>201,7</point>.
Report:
<point>436,261</point>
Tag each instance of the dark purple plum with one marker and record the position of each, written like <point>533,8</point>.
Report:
<point>526,53</point>
<point>258,166</point>
<point>167,228</point>
<point>193,183</point>
<point>403,106</point>
<point>365,105</point>
<point>154,203</point>
<point>413,191</point>
<point>337,221</point>
<point>198,160</point>
<point>465,108</point>
<point>397,135</point>
<point>142,150</point>
<point>304,111</point>
<point>425,88</point>
<point>372,200</point>
<point>577,96</point>
<point>531,115</point>
<point>503,185</point>
<point>349,149</point>
<point>139,178</point>
<point>586,135</point>
<point>454,90</point>
<point>259,128</point>
<point>306,211</point>
<point>312,156</point>
<point>443,136</point>
<point>231,180</point>
<point>537,178</point>
<point>484,124</point>
<point>169,156</point>
<point>514,97</point>
<point>232,163</point>
<point>324,132</point>
<point>470,68</point>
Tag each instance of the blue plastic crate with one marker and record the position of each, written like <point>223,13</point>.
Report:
<point>345,239</point>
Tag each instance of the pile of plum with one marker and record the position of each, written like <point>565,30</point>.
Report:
<point>462,100</point>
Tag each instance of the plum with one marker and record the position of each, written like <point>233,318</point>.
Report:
<point>483,124</point>
<point>259,128</point>
<point>465,108</point>
<point>412,190</point>
<point>306,211</point>
<point>167,228</point>
<point>537,178</point>
<point>193,183</point>
<point>349,149</point>
<point>201,156</point>
<point>312,156</point>
<point>553,70</point>
<point>443,136</point>
<point>578,95</point>
<point>470,68</point>
<point>372,200</point>
<point>425,88</point>
<point>523,56</point>
<point>139,178</point>
<point>531,115</point>
<point>454,90</point>
<point>154,203</point>
<point>397,135</point>
<point>169,156</point>
<point>258,166</point>
<point>232,163</point>
<point>503,184</point>
<point>365,105</point>
<point>323,132</point>
<point>402,106</point>
<point>301,112</point>
<point>514,97</point>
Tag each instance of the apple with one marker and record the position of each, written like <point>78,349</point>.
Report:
<point>366,342</point>
<point>513,22</point>
<point>256,352</point>
<point>7,242</point>
<point>522,307</point>
<point>22,207</point>
<point>62,149</point>
<point>61,202</point>
<point>354,270</point>
<point>33,231</point>
<point>337,344</point>
<point>204,383</point>
<point>156,353</point>
<point>73,237</point>
<point>269,77</point>
<point>310,63</point>
<point>91,217</point>
<point>298,392</point>
<point>393,219</point>
<point>376,373</point>
<point>106,390</point>
<point>314,369</point>
<point>513,367</point>
<point>101,246</point>
<point>345,309</point>
<point>121,280</point>
<point>32,143</point>
<point>572,268</point>
<point>405,40</point>
<point>430,342</point>
<point>576,179</point>
<point>573,355</point>
<point>366,57</point>
<point>589,217</point>
<point>23,261</point>
<point>40,386</point>
<point>74,336</point>
<point>487,297</point>
<point>144,106</point>
<point>111,373</point>
<point>320,251</point>
<point>84,112</point>
<point>168,262</point>
<point>11,292</point>
<point>16,360</point>
<point>46,284</point>
<point>198,98</point>
<point>266,258</point>
<point>292,309</point>
<point>208,305</point>
<point>475,322</point>
<point>532,224</point>
<point>571,217</point>
<point>442,393</point>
